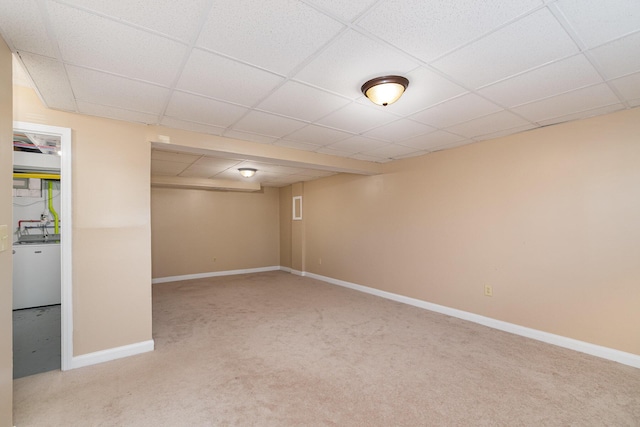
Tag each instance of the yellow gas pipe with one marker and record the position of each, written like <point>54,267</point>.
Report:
<point>55,176</point>
<point>56,227</point>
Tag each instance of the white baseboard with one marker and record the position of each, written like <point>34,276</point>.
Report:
<point>214,274</point>
<point>570,343</point>
<point>111,354</point>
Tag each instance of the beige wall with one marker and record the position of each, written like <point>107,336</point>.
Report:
<point>111,225</point>
<point>6,169</point>
<point>285,226</point>
<point>549,218</point>
<point>200,231</point>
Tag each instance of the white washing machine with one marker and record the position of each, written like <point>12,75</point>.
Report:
<point>36,275</point>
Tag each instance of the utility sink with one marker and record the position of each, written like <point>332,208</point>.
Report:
<point>51,238</point>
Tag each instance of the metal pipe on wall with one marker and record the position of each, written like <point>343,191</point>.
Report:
<point>56,227</point>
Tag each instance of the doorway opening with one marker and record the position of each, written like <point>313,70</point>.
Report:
<point>42,249</point>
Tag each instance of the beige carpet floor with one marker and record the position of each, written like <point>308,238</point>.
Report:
<point>274,349</point>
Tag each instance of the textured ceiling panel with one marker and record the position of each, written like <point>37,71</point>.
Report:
<point>175,19</point>
<point>532,41</point>
<point>289,72</point>
<point>597,21</point>
<point>557,77</point>
<point>274,34</point>
<point>429,29</point>
<point>205,73</point>
<point>457,110</point>
<point>293,100</point>
<point>115,91</point>
<point>571,102</point>
<point>56,90</point>
<point>24,27</point>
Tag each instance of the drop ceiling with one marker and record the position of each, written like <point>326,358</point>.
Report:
<point>288,72</point>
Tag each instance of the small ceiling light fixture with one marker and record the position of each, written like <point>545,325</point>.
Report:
<point>385,90</point>
<point>247,172</point>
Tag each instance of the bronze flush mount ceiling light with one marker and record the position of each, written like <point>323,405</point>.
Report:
<point>385,90</point>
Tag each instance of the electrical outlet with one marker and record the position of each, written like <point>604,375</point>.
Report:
<point>320,261</point>
<point>488,290</point>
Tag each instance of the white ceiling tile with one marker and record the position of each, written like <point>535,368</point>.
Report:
<point>628,86</point>
<point>399,130</point>
<point>350,61</point>
<point>357,144</point>
<point>123,57</point>
<point>583,114</point>
<point>277,169</point>
<point>116,113</point>
<point>175,19</point>
<point>224,79</point>
<point>100,43</point>
<point>167,168</point>
<point>446,25</point>
<point>334,152</point>
<point>191,126</point>
<point>369,158</point>
<point>505,132</point>
<point>346,11</point>
<point>52,82</point>
<point>426,88</point>
<point>414,154</point>
<point>571,102</point>
<point>189,107</point>
<point>432,140</point>
<point>597,21</point>
<point>492,123</point>
<point>173,156</point>
<point>532,41</point>
<point>22,26</point>
<point>298,145</point>
<point>452,145</point>
<point>267,124</point>
<point>457,110</point>
<point>194,171</point>
<point>357,118</point>
<point>209,171</point>
<point>316,173</point>
<point>273,34</point>
<point>20,76</point>
<point>619,57</point>
<point>216,162</point>
<point>107,89</point>
<point>317,135</point>
<point>391,151</point>
<point>302,102</point>
<point>248,136</point>
<point>562,76</point>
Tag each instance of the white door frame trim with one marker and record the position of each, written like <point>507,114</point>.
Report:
<point>66,241</point>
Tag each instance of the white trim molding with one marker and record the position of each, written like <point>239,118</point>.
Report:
<point>625,358</point>
<point>214,274</point>
<point>66,238</point>
<point>111,354</point>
